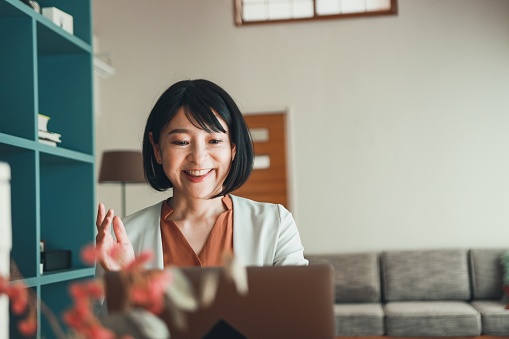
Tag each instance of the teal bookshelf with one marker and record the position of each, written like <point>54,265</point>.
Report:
<point>47,70</point>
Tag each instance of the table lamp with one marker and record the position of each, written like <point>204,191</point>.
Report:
<point>122,166</point>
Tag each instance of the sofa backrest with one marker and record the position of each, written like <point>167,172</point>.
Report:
<point>425,275</point>
<point>357,276</point>
<point>486,273</point>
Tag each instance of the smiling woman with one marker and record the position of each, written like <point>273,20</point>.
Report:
<point>190,155</point>
<point>197,144</point>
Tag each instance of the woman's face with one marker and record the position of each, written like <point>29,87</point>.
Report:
<point>195,161</point>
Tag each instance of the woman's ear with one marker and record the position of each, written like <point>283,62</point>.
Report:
<point>234,151</point>
<point>155,148</point>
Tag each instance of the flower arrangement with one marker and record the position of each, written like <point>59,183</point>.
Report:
<point>18,294</point>
<point>149,293</point>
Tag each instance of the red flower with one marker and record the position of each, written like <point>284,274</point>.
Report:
<point>139,261</point>
<point>89,254</point>
<point>4,285</point>
<point>17,293</point>
<point>148,290</point>
<point>28,326</point>
<point>96,331</point>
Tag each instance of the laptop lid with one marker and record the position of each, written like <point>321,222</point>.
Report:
<point>283,302</point>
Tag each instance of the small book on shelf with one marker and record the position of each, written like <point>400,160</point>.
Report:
<point>50,136</point>
<point>48,142</point>
<point>45,136</point>
<point>43,122</point>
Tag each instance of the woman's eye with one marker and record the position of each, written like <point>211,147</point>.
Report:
<point>215,141</point>
<point>180,143</point>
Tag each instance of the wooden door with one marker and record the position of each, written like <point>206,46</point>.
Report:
<point>268,181</point>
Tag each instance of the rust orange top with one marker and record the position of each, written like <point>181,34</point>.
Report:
<point>178,252</point>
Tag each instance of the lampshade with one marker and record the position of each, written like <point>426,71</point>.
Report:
<point>122,166</point>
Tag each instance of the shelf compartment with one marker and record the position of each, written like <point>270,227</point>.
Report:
<point>24,211</point>
<point>65,225</point>
<point>65,95</point>
<point>80,10</point>
<point>57,298</point>
<point>14,8</point>
<point>52,39</point>
<point>14,319</point>
<point>17,69</point>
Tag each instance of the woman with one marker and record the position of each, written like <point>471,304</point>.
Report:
<point>197,143</point>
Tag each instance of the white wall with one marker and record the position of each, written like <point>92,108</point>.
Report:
<point>400,124</point>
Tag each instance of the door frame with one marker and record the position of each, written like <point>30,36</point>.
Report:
<point>290,160</point>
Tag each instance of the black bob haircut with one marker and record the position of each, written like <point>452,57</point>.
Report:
<point>199,99</point>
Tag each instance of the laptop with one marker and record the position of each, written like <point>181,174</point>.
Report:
<point>283,302</point>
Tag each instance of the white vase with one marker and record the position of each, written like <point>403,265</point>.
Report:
<point>5,242</point>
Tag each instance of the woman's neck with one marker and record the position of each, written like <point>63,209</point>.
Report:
<point>195,209</point>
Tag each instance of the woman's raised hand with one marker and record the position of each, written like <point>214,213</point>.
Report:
<point>113,254</point>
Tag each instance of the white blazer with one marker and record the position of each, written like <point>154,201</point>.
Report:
<point>264,234</point>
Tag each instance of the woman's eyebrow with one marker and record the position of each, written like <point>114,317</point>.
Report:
<point>178,131</point>
<point>187,131</point>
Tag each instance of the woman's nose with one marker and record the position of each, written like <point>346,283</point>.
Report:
<point>197,154</point>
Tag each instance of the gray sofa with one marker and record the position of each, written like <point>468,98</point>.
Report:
<point>419,293</point>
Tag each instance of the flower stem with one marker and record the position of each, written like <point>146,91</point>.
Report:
<point>53,321</point>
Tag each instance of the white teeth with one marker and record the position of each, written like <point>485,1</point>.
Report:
<point>197,173</point>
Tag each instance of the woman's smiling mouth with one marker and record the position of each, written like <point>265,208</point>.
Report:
<point>198,173</point>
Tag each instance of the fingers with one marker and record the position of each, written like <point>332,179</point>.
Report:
<point>103,224</point>
<point>119,229</point>
<point>100,215</point>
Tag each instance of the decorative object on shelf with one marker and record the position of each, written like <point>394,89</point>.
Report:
<point>5,242</point>
<point>123,166</point>
<point>50,136</point>
<point>60,18</point>
<point>34,4</point>
<point>42,247</point>
<point>56,260</point>
<point>43,122</point>
<point>45,136</point>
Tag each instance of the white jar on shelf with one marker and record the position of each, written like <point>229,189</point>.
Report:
<point>5,242</point>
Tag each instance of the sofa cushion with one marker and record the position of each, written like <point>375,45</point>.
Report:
<point>487,272</point>
<point>425,275</point>
<point>494,318</point>
<point>357,276</point>
<point>505,278</point>
<point>359,319</point>
<point>431,319</point>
